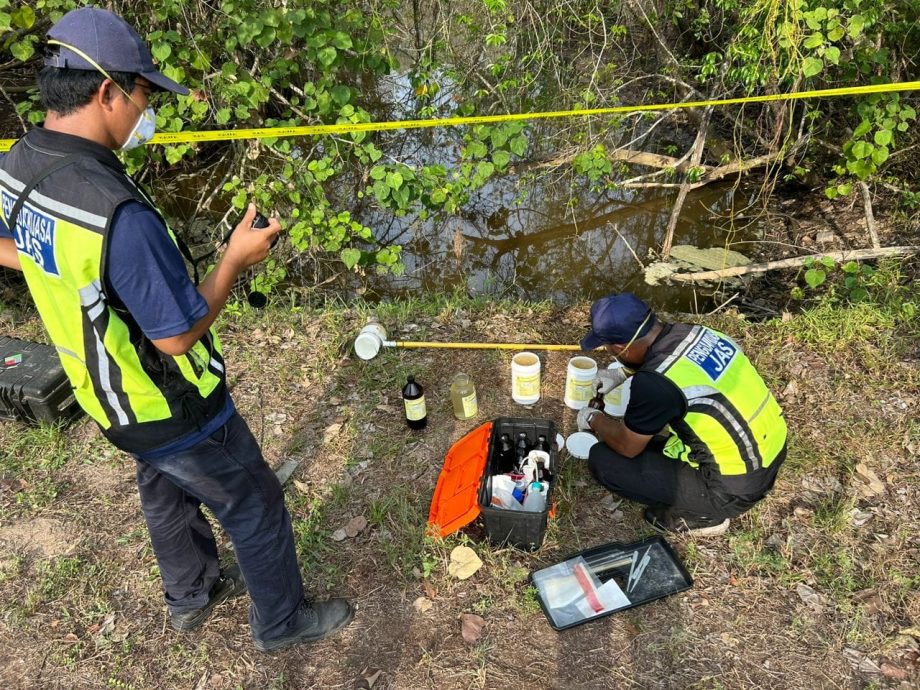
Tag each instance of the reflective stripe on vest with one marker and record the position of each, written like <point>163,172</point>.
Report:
<point>732,418</point>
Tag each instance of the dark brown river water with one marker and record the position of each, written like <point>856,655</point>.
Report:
<point>547,247</point>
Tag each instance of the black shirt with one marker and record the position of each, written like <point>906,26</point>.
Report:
<point>654,402</point>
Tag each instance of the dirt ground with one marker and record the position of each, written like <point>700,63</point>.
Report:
<point>817,587</point>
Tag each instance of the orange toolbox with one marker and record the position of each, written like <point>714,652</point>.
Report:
<point>464,490</point>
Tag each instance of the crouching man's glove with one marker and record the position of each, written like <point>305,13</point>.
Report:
<point>585,415</point>
<point>608,379</point>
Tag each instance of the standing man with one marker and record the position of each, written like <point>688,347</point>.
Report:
<point>135,337</point>
<point>725,436</point>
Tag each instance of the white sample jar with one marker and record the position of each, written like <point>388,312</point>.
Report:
<point>616,400</point>
<point>370,340</point>
<point>525,378</point>
<point>579,382</point>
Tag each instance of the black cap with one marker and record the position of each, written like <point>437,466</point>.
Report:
<point>109,41</point>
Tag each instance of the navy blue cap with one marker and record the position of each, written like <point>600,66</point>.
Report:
<point>618,319</point>
<point>110,41</point>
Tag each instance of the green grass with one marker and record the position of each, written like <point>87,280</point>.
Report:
<point>34,456</point>
<point>404,516</point>
<point>311,536</point>
<point>832,514</point>
<point>56,580</point>
<point>837,573</point>
<point>753,557</point>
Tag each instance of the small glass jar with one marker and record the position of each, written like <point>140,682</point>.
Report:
<point>463,397</point>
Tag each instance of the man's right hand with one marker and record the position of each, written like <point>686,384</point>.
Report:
<point>608,379</point>
<point>247,245</point>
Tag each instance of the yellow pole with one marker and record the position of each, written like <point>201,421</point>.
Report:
<point>481,346</point>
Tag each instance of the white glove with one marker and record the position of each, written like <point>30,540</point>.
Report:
<point>608,379</point>
<point>583,420</point>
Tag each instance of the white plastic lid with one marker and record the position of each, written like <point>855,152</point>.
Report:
<point>579,444</point>
<point>367,345</point>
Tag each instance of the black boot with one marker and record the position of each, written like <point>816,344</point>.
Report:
<point>230,584</point>
<point>315,622</point>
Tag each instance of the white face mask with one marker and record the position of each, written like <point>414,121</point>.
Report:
<point>143,131</point>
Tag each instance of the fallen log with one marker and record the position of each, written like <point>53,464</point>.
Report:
<point>795,262</point>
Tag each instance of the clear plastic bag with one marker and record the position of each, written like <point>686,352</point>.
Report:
<point>572,593</point>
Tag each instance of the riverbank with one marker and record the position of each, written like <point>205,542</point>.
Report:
<point>816,587</point>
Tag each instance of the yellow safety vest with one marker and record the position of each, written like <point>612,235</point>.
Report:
<point>141,398</point>
<point>733,421</point>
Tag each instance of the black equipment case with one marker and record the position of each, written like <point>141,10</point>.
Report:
<point>33,385</point>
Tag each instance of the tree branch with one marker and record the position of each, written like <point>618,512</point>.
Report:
<point>695,158</point>
<point>870,217</point>
<point>795,262</point>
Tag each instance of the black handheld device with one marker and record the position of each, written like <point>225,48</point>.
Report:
<point>255,298</point>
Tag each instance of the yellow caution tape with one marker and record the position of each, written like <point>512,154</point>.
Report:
<point>349,127</point>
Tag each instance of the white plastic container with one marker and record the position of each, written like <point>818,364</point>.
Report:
<point>370,340</point>
<point>525,378</point>
<point>579,380</point>
<point>535,500</point>
<point>615,401</point>
<point>579,444</point>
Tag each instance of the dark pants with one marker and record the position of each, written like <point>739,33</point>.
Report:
<point>225,472</point>
<point>654,479</point>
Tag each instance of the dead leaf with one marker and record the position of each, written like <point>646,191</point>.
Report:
<point>369,676</point>
<point>860,661</point>
<point>422,604</point>
<point>859,517</point>
<point>339,535</point>
<point>331,432</point>
<point>871,601</point>
<point>302,487</point>
<point>471,627</point>
<point>871,484</point>
<point>355,526</point>
<point>893,671</point>
<point>202,682</point>
<point>463,562</point>
<point>822,484</point>
<point>108,625</point>
<point>729,640</point>
<point>811,598</point>
<point>611,502</point>
<point>430,591</point>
